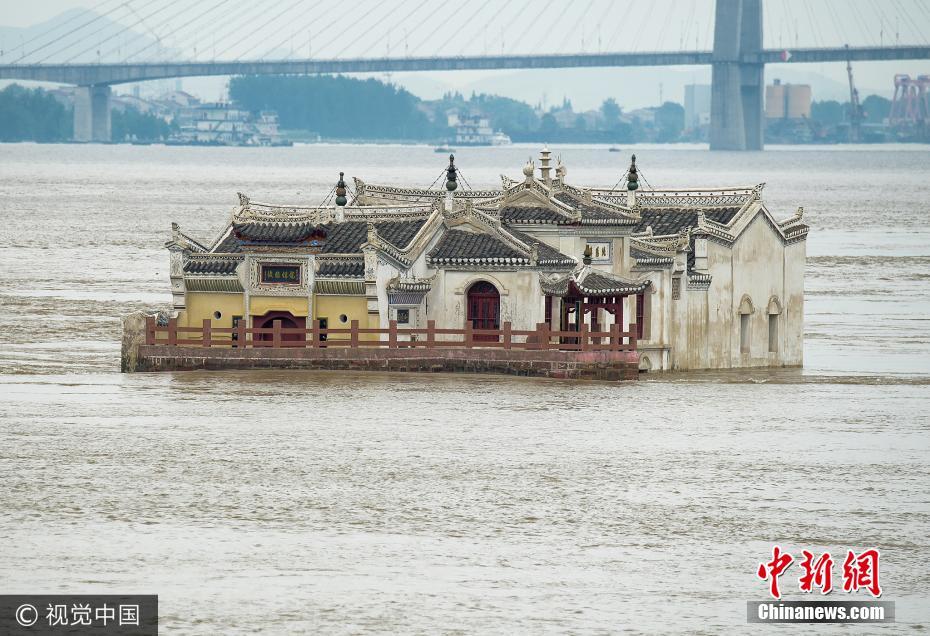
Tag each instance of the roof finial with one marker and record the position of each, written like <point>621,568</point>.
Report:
<point>632,178</point>
<point>451,183</point>
<point>341,191</point>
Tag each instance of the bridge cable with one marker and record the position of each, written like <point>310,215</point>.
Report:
<point>232,19</point>
<point>565,7</point>
<point>121,31</point>
<point>392,27</point>
<point>171,33</point>
<point>265,26</point>
<point>471,20</point>
<point>304,27</point>
<point>529,26</point>
<point>158,39</point>
<point>79,14</point>
<point>74,30</point>
<point>236,41</point>
<point>618,30</point>
<point>574,27</point>
<point>340,35</point>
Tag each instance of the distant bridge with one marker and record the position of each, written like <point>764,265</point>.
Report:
<point>737,60</point>
<point>121,73</point>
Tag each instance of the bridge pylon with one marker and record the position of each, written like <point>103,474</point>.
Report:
<point>92,113</point>
<point>737,86</point>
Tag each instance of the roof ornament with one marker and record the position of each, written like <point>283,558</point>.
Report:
<point>451,183</point>
<point>632,183</point>
<point>341,191</point>
<point>800,213</point>
<point>560,169</point>
<point>586,259</point>
<point>544,168</point>
<point>528,170</point>
<point>243,200</point>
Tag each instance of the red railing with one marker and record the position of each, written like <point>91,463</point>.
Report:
<point>540,339</point>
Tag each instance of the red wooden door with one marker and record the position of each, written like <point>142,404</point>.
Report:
<point>484,309</point>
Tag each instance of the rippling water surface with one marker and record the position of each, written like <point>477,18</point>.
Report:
<point>346,503</point>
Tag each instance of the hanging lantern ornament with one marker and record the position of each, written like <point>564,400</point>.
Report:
<point>341,191</point>
<point>451,183</point>
<point>632,178</point>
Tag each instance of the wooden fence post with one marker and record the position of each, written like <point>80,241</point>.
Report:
<point>469,336</point>
<point>241,334</point>
<point>583,336</point>
<point>508,337</point>
<point>276,334</point>
<point>207,333</point>
<point>315,333</point>
<point>353,335</point>
<point>542,336</point>
<point>392,334</point>
<point>430,334</point>
<point>150,330</point>
<point>616,340</point>
<point>633,335</point>
<point>172,332</point>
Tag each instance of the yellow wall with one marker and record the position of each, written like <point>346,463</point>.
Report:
<point>261,305</point>
<point>354,308</point>
<point>201,305</point>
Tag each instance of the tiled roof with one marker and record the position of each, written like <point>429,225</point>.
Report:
<point>520,214</point>
<point>275,232</point>
<point>341,238</point>
<point>458,246</point>
<point>343,268</point>
<point>591,212</point>
<point>646,258</point>
<point>668,221</point>
<point>348,237</point>
<point>212,266</point>
<point>547,255</point>
<point>592,282</point>
<point>598,283</point>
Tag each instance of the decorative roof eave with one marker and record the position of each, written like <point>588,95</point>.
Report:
<point>684,198</point>
<point>698,280</point>
<point>393,193</point>
<point>265,212</point>
<point>399,285</point>
<point>216,284</point>
<point>575,282</point>
<point>499,261</point>
<point>181,241</point>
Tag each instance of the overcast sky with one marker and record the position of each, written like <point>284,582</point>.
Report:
<point>372,28</point>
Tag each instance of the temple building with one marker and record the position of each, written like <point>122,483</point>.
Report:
<point>707,278</point>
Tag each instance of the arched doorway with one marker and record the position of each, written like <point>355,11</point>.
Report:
<point>288,321</point>
<point>484,308</point>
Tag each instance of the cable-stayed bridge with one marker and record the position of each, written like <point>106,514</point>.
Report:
<point>736,56</point>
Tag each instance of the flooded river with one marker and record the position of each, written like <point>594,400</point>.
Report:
<point>347,503</point>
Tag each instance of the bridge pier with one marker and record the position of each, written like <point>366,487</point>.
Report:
<point>737,87</point>
<point>92,113</point>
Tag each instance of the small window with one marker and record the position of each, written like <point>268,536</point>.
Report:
<point>676,289</point>
<point>217,315</point>
<point>403,316</point>
<point>235,325</point>
<point>744,333</point>
<point>343,318</point>
<point>773,333</point>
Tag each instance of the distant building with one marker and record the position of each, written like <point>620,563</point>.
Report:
<point>475,130</point>
<point>787,101</point>
<point>220,123</point>
<point>697,105</point>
